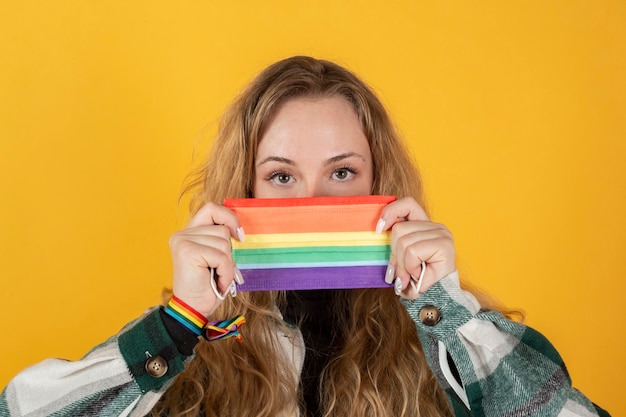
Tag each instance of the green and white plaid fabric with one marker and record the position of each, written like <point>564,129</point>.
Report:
<point>111,380</point>
<point>505,368</point>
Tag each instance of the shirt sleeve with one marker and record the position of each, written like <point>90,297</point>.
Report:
<point>488,365</point>
<point>124,376</point>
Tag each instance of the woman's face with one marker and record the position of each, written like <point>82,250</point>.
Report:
<point>313,147</point>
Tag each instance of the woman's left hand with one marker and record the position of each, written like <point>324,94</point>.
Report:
<point>415,239</point>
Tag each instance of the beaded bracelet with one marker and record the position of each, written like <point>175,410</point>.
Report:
<point>199,325</point>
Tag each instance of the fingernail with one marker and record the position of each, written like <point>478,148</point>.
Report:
<point>397,286</point>
<point>380,226</point>
<point>238,276</point>
<point>391,270</point>
<point>241,235</point>
<point>233,289</point>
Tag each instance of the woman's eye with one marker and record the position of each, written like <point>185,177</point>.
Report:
<point>282,178</point>
<point>343,174</point>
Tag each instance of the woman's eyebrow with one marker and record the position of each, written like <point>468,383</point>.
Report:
<point>329,161</point>
<point>276,159</point>
<point>343,156</point>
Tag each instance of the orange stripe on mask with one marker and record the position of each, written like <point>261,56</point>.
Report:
<point>308,215</point>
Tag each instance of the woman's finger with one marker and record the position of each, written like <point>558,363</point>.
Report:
<point>215,214</point>
<point>400,210</point>
<point>204,270</point>
<point>419,248</point>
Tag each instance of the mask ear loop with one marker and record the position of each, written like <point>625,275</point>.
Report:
<point>219,296</point>
<point>416,288</point>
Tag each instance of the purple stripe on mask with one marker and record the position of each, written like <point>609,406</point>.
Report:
<point>345,277</point>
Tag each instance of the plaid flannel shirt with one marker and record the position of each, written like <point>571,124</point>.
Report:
<point>505,368</point>
<point>502,368</point>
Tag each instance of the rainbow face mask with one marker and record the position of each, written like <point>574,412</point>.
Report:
<point>311,243</point>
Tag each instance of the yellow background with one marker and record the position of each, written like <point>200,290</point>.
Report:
<point>515,111</point>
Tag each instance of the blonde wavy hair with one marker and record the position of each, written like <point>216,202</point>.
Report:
<point>254,377</point>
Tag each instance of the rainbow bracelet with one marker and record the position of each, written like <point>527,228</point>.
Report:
<point>216,330</point>
<point>199,325</point>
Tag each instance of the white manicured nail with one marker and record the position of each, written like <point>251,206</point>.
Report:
<point>380,226</point>
<point>241,235</point>
<point>391,271</point>
<point>238,276</point>
<point>397,286</point>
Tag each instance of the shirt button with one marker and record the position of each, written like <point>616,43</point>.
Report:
<point>156,366</point>
<point>430,315</point>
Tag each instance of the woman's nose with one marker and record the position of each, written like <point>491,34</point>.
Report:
<point>312,189</point>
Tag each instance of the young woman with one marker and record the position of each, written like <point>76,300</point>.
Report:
<point>304,128</point>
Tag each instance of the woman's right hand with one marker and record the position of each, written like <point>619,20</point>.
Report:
<point>204,245</point>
